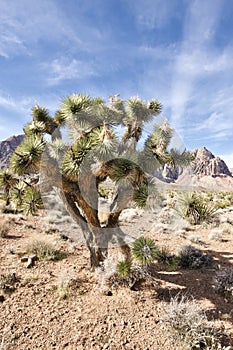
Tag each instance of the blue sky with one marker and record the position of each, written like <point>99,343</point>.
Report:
<point>177,51</point>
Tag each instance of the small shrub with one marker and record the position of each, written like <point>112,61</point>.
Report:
<point>144,250</point>
<point>66,282</point>
<point>165,257</point>
<point>188,324</point>
<point>137,273</point>
<point>124,268</point>
<point>193,258</point>
<point>4,228</point>
<point>194,208</point>
<point>43,248</point>
<point>7,282</point>
<point>224,283</point>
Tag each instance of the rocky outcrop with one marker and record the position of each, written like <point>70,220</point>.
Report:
<point>7,147</point>
<point>206,164</point>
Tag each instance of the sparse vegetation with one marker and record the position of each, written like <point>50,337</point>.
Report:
<point>124,268</point>
<point>43,247</point>
<point>193,207</point>
<point>224,283</point>
<point>189,325</point>
<point>193,258</point>
<point>144,250</point>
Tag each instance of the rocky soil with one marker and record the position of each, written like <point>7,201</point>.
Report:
<point>61,304</point>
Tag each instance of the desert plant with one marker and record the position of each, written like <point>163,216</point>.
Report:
<point>66,282</point>
<point>164,256</point>
<point>224,283</point>
<point>124,268</point>
<point>7,181</point>
<point>136,274</point>
<point>193,207</point>
<point>193,258</point>
<point>94,153</point>
<point>189,325</point>
<point>144,250</point>
<point>43,247</point>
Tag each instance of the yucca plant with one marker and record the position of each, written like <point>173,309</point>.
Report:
<point>144,250</point>
<point>31,201</point>
<point>124,268</point>
<point>86,148</point>
<point>193,207</point>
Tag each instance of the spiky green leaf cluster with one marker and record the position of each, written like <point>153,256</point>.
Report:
<point>144,250</point>
<point>138,110</point>
<point>31,201</point>
<point>7,179</point>
<point>75,108</point>
<point>35,128</point>
<point>27,155</point>
<point>124,268</point>
<point>155,106</point>
<point>57,149</point>
<point>17,193</point>
<point>140,195</point>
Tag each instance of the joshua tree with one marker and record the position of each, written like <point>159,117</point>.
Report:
<point>98,150</point>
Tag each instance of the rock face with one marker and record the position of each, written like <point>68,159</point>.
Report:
<point>7,147</point>
<point>206,164</point>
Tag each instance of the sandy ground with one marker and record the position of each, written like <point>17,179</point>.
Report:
<point>62,305</point>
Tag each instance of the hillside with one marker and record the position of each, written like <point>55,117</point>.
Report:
<point>7,147</point>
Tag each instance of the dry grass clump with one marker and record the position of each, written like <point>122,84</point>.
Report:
<point>66,283</point>
<point>187,324</point>
<point>44,247</point>
<point>224,283</point>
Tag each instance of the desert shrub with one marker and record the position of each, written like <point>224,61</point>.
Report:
<point>194,208</point>
<point>136,274</point>
<point>8,281</point>
<point>188,324</point>
<point>124,268</point>
<point>4,228</point>
<point>66,283</point>
<point>144,250</point>
<point>224,283</point>
<point>193,258</point>
<point>44,248</point>
<point>164,256</point>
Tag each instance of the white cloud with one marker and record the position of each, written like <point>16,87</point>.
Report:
<point>195,55</point>
<point>25,22</point>
<point>64,69</point>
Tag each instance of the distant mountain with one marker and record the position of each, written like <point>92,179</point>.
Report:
<point>7,147</point>
<point>206,171</point>
<point>206,164</point>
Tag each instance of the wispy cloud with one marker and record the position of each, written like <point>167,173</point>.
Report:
<point>28,21</point>
<point>67,69</point>
<point>151,14</point>
<point>194,59</point>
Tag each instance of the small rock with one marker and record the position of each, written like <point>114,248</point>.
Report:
<point>2,298</point>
